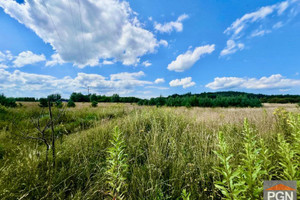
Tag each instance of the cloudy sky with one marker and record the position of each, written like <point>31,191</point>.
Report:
<point>148,48</point>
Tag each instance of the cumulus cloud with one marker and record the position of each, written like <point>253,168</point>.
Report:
<point>189,58</point>
<point>163,43</point>
<point>6,56</point>
<point>170,26</point>
<point>146,63</point>
<point>184,82</point>
<point>28,58</point>
<point>55,60</point>
<point>159,80</point>
<point>108,62</point>
<point>19,83</point>
<point>2,66</point>
<point>276,81</point>
<point>231,48</point>
<point>262,21</point>
<point>127,76</point>
<point>82,32</point>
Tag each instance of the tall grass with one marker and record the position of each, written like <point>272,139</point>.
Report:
<point>157,153</point>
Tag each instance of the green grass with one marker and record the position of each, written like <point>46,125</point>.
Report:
<point>156,153</point>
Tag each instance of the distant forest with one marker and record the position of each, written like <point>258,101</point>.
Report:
<point>206,99</point>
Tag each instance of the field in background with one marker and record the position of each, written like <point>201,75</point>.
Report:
<point>165,153</point>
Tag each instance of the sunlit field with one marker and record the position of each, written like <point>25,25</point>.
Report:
<point>125,151</point>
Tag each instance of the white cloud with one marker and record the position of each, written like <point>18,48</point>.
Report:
<point>146,63</point>
<point>184,82</point>
<point>2,66</point>
<point>189,58</point>
<point>261,21</point>
<point>275,81</point>
<point>108,62</point>
<point>55,60</point>
<point>163,43</point>
<point>231,48</point>
<point>19,83</point>
<point>278,25</point>
<point>258,33</point>
<point>82,32</point>
<point>170,26</point>
<point>238,25</point>
<point>6,56</point>
<point>158,88</point>
<point>126,75</point>
<point>159,80</point>
<point>28,58</point>
<point>282,7</point>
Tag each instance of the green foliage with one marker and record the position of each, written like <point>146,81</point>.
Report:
<point>43,102</point>
<point>251,164</point>
<point>93,97</point>
<point>287,160</point>
<point>194,101</point>
<point>94,104</point>
<point>1,152</point>
<point>26,99</point>
<point>8,102</point>
<point>115,98</point>
<point>59,104</point>
<point>230,185</point>
<point>165,150</point>
<point>54,97</point>
<point>71,103</point>
<point>117,167</point>
<point>3,109</point>
<point>185,195</point>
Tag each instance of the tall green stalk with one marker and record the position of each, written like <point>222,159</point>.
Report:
<point>229,185</point>
<point>117,167</point>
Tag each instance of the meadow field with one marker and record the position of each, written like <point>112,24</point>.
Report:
<point>126,151</point>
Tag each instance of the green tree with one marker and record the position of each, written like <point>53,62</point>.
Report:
<point>115,98</point>
<point>94,104</point>
<point>71,103</point>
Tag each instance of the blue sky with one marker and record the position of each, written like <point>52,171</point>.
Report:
<point>149,48</point>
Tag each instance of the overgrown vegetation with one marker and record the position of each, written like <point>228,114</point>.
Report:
<point>155,153</point>
<point>8,102</point>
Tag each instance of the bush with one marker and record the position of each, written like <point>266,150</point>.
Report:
<point>94,104</point>
<point>59,104</point>
<point>8,102</point>
<point>43,102</point>
<point>3,109</point>
<point>71,103</point>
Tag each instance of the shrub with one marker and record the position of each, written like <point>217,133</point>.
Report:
<point>71,103</point>
<point>8,102</point>
<point>59,104</point>
<point>3,109</point>
<point>94,104</point>
<point>43,102</point>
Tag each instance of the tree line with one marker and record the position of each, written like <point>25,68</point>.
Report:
<point>206,99</point>
<point>194,101</point>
